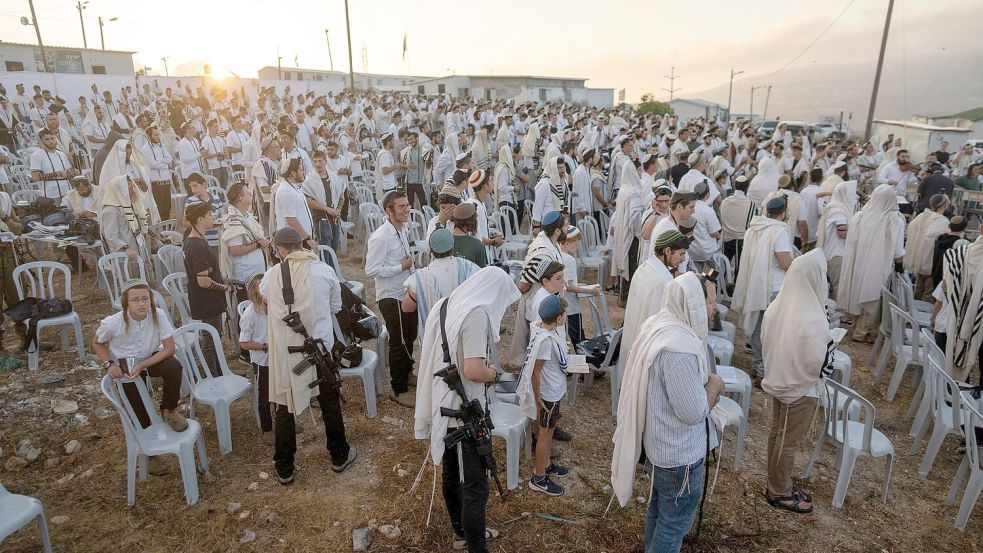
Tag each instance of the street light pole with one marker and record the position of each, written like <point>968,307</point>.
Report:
<point>102,40</point>
<point>34,21</point>
<point>730,90</point>
<point>877,75</point>
<point>330,57</point>
<point>81,6</point>
<point>164,59</point>
<point>348,29</point>
<point>764,116</point>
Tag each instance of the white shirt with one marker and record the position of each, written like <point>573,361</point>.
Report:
<point>570,276</point>
<point>244,267</point>
<point>689,181</point>
<point>189,156</point>
<point>122,123</point>
<point>581,190</point>
<point>552,379</point>
<point>386,161</point>
<point>783,243</point>
<point>809,210</point>
<point>704,245</point>
<point>214,145</point>
<point>942,318</point>
<point>542,195</point>
<point>237,139</point>
<point>253,328</point>
<point>290,202</point>
<point>139,340</point>
<point>50,162</point>
<point>160,162</point>
<point>386,249</point>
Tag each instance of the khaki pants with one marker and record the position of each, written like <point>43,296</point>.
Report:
<point>865,322</point>
<point>833,272</point>
<point>924,288</point>
<point>789,423</point>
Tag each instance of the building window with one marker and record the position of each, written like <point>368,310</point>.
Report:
<point>464,92</point>
<point>441,89</point>
<point>488,94</point>
<point>542,94</point>
<point>419,89</point>
<point>14,66</point>
<point>98,69</point>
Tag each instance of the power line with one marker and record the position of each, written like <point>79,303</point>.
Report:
<point>813,43</point>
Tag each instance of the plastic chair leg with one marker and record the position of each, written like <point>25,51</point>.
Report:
<point>527,439</point>
<point>43,527</point>
<point>513,443</point>
<point>368,384</point>
<point>223,424</point>
<point>920,424</point>
<point>915,401</point>
<point>572,389</point>
<point>899,369</point>
<point>970,497</point>
<point>957,481</point>
<point>79,340</point>
<point>815,453</point>
<point>186,458</point>
<point>849,460</point>
<point>202,454</point>
<point>882,363</point>
<point>887,477</point>
<point>878,344</point>
<point>63,335</point>
<point>143,465</point>
<point>934,445</point>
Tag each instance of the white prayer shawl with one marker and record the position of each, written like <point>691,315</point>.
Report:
<point>792,200</point>
<point>680,327</point>
<point>644,301</point>
<point>842,202</point>
<point>452,144</point>
<point>490,291</point>
<point>93,127</point>
<point>765,182</point>
<point>504,138</point>
<point>427,285</point>
<point>962,272</point>
<point>287,388</point>
<point>506,164</point>
<point>752,292</point>
<point>481,150</point>
<point>868,257</point>
<point>237,223</point>
<point>524,389</point>
<point>559,196</point>
<point>530,141</point>
<point>795,332</point>
<point>116,165</point>
<point>920,241</point>
<point>627,217</point>
<point>314,188</point>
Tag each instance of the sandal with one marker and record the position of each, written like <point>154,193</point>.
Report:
<point>791,502</point>
<point>806,496</point>
<point>460,544</point>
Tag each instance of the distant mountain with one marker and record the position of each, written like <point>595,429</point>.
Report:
<point>925,86</point>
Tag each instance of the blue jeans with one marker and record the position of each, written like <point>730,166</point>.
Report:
<point>675,500</point>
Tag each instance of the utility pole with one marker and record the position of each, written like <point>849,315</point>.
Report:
<point>330,57</point>
<point>348,30</point>
<point>279,68</point>
<point>81,6</point>
<point>34,21</point>
<point>877,76</point>
<point>672,76</point>
<point>764,116</point>
<point>102,40</point>
<point>730,90</point>
<point>751,113</point>
<point>164,59</point>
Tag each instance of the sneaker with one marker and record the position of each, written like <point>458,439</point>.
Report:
<point>285,480</point>
<point>404,399</point>
<point>562,435</point>
<point>352,454</point>
<point>556,470</point>
<point>174,420</point>
<point>268,437</point>
<point>544,485</point>
<point>156,466</point>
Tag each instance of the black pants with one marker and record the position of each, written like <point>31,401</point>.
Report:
<point>402,333</point>
<point>415,190</point>
<point>263,397</point>
<point>162,197</point>
<point>518,214</point>
<point>575,329</point>
<point>222,174</point>
<point>334,431</point>
<point>603,231</point>
<point>466,501</point>
<point>209,349</point>
<point>170,370</point>
<point>941,339</point>
<point>733,249</point>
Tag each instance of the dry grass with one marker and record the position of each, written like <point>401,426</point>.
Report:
<point>321,509</point>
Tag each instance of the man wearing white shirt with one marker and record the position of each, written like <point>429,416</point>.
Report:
<point>21,103</point>
<point>214,154</point>
<point>50,166</point>
<point>290,205</point>
<point>189,151</point>
<point>387,165</point>
<point>706,235</point>
<point>899,174</point>
<point>305,132</point>
<point>695,175</point>
<point>388,261</point>
<point>481,186</point>
<point>235,141</point>
<point>160,172</point>
<point>36,113</point>
<point>108,104</point>
<point>96,129</point>
<point>288,140</point>
<point>809,208</point>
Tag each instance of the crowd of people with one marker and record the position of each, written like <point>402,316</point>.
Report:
<point>256,185</point>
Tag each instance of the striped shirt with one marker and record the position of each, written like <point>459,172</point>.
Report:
<point>675,421</point>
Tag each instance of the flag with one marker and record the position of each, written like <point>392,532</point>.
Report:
<point>404,46</point>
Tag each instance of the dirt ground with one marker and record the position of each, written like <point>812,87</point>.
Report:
<point>319,511</point>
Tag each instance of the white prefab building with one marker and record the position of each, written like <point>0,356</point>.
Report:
<point>16,57</point>
<point>518,88</point>
<point>322,81</point>
<point>691,108</point>
<point>920,138</point>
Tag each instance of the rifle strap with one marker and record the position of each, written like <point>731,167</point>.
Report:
<point>443,332</point>
<point>288,289</point>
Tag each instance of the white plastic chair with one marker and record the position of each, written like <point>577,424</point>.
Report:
<point>41,278</point>
<point>924,398</point>
<point>970,466</point>
<point>737,420</point>
<point>510,423</point>
<point>176,284</point>
<point>114,270</point>
<point>945,409</point>
<point>217,392</point>
<point>854,439</point>
<point>919,310</point>
<point>610,366</point>
<point>329,256</point>
<point>172,258</point>
<point>365,371</point>
<point>842,367</point>
<point>587,259</point>
<point>728,331</point>
<point>722,349</point>
<point>17,511</point>
<point>906,354</point>
<point>157,439</point>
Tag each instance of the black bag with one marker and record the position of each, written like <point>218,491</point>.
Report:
<point>347,356</point>
<point>32,310</point>
<point>85,228</point>
<point>354,320</point>
<point>596,350</point>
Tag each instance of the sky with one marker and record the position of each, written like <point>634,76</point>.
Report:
<point>630,44</point>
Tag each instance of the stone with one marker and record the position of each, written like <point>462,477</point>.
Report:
<point>82,419</point>
<point>64,406</point>
<point>28,452</point>
<point>336,524</point>
<point>373,525</point>
<point>233,507</point>
<point>86,474</point>
<point>73,447</point>
<point>390,531</point>
<point>51,462</point>
<point>361,540</point>
<point>65,479</point>
<point>60,519</point>
<point>402,473</point>
<point>640,500</point>
<point>247,537</point>
<point>15,464</point>
<point>243,515</point>
<point>93,436</point>
<point>253,487</point>
<point>263,476</point>
<point>393,421</point>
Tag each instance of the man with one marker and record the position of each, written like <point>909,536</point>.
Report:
<point>799,353</point>
<point>962,283</point>
<point>388,260</point>
<point>438,279</point>
<point>706,236</point>
<point>304,131</point>
<point>36,112</point>
<point>736,213</point>
<point>66,142</point>
<point>767,255</point>
<point>316,297</point>
<point>291,151</point>
<point>82,201</point>
<point>944,243</point>
<point>838,173</point>
<point>942,154</point>
<point>206,285</point>
<point>833,227</point>
<point>667,401</point>
<point>481,188</point>
<point>338,164</point>
<point>235,143</point>
<point>411,160</point>
<point>386,166</point>
<point>324,195</point>
<point>471,323</point>
<point>681,207</point>
<point>809,209</point>
<point>874,247</point>
<point>796,224</point>
<point>189,151</point>
<point>160,172</point>
<point>899,174</point>
<point>448,198</point>
<point>123,121</point>
<point>50,166</point>
<point>626,227</point>
<point>551,191</point>
<point>265,172</point>
<point>934,184</point>
<point>215,155</point>
<point>920,244</point>
<point>289,206</point>
<point>687,183</point>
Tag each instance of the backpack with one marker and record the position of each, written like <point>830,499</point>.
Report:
<point>31,310</point>
<point>354,320</point>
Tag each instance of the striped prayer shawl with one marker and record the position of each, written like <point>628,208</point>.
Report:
<point>964,292</point>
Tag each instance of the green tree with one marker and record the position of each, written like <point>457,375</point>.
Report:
<point>649,105</point>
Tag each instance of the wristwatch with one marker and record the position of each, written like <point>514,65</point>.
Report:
<point>107,364</point>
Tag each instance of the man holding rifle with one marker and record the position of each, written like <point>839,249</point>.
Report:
<point>309,289</point>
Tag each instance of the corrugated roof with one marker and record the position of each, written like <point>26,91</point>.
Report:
<point>69,48</point>
<point>500,77</point>
<point>920,126</point>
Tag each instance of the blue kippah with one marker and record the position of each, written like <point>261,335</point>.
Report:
<point>441,241</point>
<point>551,217</point>
<point>776,203</point>
<point>550,307</point>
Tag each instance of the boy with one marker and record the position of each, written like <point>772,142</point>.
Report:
<point>198,194</point>
<point>568,246</point>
